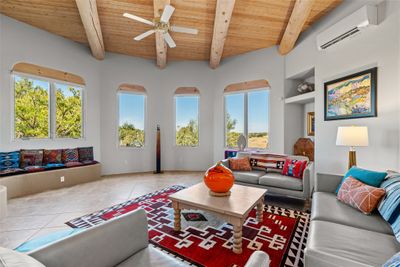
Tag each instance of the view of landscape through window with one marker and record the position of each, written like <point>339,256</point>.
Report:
<point>131,119</point>
<point>33,109</point>
<point>253,122</point>
<point>187,120</point>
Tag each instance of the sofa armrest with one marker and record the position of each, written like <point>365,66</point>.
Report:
<point>308,180</point>
<point>103,245</point>
<point>225,162</point>
<point>327,182</point>
<point>257,259</point>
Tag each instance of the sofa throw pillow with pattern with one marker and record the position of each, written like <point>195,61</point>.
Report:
<point>389,208</point>
<point>53,156</point>
<point>368,177</point>
<point>31,157</point>
<point>9,160</point>
<point>85,154</point>
<point>70,155</point>
<point>359,195</point>
<point>394,261</point>
<point>294,168</point>
<point>267,162</point>
<point>240,164</point>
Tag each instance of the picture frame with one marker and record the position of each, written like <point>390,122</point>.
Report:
<point>351,97</point>
<point>311,123</point>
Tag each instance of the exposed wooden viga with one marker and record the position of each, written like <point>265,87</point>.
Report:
<point>132,88</point>
<point>48,73</point>
<point>298,18</point>
<point>161,46</point>
<point>223,14</point>
<point>243,86</point>
<point>91,23</point>
<point>187,91</point>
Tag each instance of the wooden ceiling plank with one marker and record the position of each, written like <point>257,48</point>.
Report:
<point>91,23</point>
<point>223,14</point>
<point>299,16</point>
<point>161,46</point>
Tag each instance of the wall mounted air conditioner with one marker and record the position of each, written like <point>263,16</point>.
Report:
<point>348,27</point>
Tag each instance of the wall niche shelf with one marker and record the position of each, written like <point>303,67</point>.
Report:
<point>301,99</point>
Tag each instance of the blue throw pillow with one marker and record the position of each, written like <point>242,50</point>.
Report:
<point>393,261</point>
<point>389,207</point>
<point>9,160</point>
<point>367,177</point>
<point>42,241</point>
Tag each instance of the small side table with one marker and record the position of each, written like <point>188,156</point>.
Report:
<point>3,202</point>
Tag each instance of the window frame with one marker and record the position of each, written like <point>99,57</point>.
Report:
<point>52,108</point>
<point>246,116</point>
<point>198,120</point>
<point>119,92</point>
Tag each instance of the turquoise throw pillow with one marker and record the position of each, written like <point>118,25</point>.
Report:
<point>42,241</point>
<point>367,177</point>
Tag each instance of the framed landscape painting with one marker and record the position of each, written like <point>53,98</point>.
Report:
<point>351,97</point>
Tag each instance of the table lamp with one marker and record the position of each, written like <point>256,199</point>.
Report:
<point>352,136</point>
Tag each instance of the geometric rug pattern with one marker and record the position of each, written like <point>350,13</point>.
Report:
<point>282,234</point>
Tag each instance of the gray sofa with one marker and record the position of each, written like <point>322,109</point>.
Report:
<point>341,235</point>
<point>276,183</point>
<point>119,242</point>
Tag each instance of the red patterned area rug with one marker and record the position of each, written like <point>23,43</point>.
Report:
<point>282,234</point>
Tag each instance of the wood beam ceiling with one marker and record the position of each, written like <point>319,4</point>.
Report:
<point>223,14</point>
<point>161,46</point>
<point>298,18</point>
<point>91,23</point>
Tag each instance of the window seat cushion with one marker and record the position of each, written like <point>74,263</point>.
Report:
<point>72,164</point>
<point>52,166</point>
<point>34,168</point>
<point>11,171</point>
<point>89,162</point>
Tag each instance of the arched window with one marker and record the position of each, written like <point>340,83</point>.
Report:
<point>247,113</point>
<point>131,115</point>
<point>187,116</point>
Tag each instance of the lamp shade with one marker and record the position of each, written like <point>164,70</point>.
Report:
<point>352,136</point>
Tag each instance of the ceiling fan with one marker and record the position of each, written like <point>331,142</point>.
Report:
<point>162,25</point>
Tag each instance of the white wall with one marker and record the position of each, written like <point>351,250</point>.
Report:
<point>376,47</point>
<point>22,43</point>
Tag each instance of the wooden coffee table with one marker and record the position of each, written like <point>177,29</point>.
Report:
<point>234,208</point>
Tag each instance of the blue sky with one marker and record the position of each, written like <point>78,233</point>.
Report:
<point>131,110</point>
<point>186,109</point>
<point>40,83</point>
<point>257,110</point>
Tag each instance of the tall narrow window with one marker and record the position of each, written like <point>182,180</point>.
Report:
<point>32,98</point>
<point>187,117</point>
<point>131,119</point>
<point>247,113</point>
<point>68,111</point>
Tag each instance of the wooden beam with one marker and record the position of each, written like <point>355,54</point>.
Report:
<point>298,18</point>
<point>132,88</point>
<point>161,46</point>
<point>236,87</point>
<point>91,23</point>
<point>223,14</point>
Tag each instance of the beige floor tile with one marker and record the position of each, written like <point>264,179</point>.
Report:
<point>24,223</point>
<point>13,239</point>
<point>49,230</point>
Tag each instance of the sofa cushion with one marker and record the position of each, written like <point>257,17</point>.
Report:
<point>9,160</point>
<point>368,177</point>
<point>346,246</point>
<point>85,154</point>
<point>70,155</point>
<point>12,171</point>
<point>294,168</point>
<point>325,207</point>
<point>267,162</point>
<point>240,164</point>
<point>10,258</point>
<point>281,181</point>
<point>31,157</point>
<point>248,177</point>
<point>73,164</point>
<point>52,156</point>
<point>34,168</point>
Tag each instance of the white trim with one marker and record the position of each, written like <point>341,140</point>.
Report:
<point>198,120</point>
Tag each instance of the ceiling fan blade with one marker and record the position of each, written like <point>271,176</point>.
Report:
<point>184,30</point>
<point>169,40</point>
<point>142,20</point>
<point>144,35</point>
<point>167,13</point>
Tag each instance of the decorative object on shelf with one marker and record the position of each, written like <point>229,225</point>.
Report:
<point>352,136</point>
<point>219,179</point>
<point>305,87</point>
<point>310,123</point>
<point>242,142</point>
<point>353,96</point>
<point>231,153</point>
<point>304,147</point>
<point>158,151</point>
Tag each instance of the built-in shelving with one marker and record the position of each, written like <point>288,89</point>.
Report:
<point>301,99</point>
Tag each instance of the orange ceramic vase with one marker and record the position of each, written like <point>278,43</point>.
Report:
<point>218,178</point>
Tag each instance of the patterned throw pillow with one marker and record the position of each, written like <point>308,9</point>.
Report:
<point>9,160</point>
<point>70,155</point>
<point>294,168</point>
<point>359,195</point>
<point>85,154</point>
<point>52,156</point>
<point>267,162</point>
<point>389,207</point>
<point>31,157</point>
<point>240,164</point>
<point>394,261</point>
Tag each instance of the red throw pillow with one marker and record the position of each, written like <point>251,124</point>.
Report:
<point>359,195</point>
<point>294,168</point>
<point>240,164</point>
